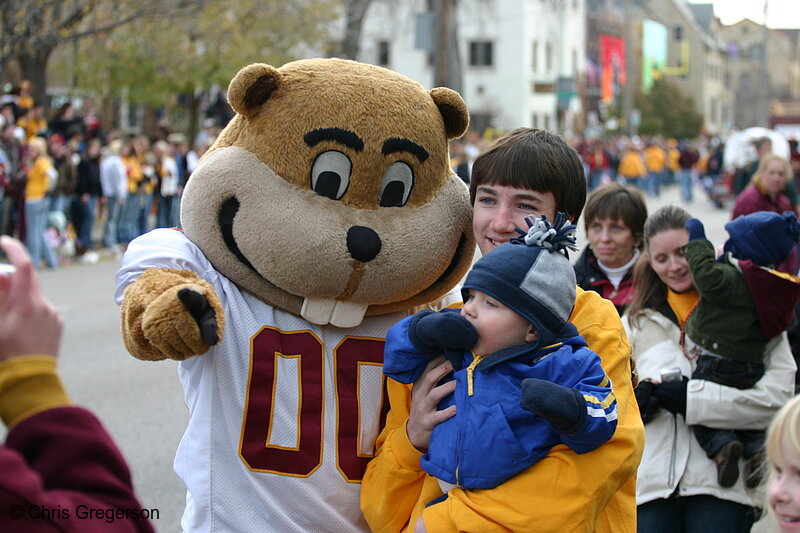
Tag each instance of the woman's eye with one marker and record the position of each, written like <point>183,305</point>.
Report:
<point>330,174</point>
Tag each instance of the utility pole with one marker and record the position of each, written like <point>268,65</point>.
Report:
<point>443,40</point>
<point>627,89</point>
<point>763,81</point>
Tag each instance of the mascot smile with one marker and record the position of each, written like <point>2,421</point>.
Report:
<point>325,210</point>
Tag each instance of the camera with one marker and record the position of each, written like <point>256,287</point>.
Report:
<point>670,374</point>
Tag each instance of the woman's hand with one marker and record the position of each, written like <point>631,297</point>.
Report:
<point>425,396</point>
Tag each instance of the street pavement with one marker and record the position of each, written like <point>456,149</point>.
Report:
<point>141,403</point>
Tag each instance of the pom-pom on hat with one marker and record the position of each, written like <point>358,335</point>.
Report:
<point>532,275</point>
<point>763,237</point>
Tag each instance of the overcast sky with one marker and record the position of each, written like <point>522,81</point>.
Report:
<point>780,13</point>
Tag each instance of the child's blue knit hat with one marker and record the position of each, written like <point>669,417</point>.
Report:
<point>532,275</point>
<point>764,237</point>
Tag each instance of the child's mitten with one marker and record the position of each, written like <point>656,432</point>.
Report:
<point>564,408</point>
<point>696,230</point>
<point>445,332</point>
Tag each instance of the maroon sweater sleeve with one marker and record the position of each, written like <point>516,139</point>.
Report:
<point>60,471</point>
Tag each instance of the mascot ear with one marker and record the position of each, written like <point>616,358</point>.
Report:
<point>251,87</point>
<point>453,110</point>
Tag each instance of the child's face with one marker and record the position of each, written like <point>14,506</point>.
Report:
<point>783,493</point>
<point>498,326</point>
<point>500,209</point>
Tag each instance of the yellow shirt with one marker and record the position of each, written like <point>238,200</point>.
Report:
<point>655,158</point>
<point>632,165</point>
<point>682,303</point>
<point>36,188</point>
<point>32,125</point>
<point>135,173</point>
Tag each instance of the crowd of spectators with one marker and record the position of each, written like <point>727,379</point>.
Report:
<point>69,187</point>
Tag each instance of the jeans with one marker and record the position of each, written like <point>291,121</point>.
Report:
<point>83,218</point>
<point>168,211</point>
<point>694,514</point>
<point>654,183</point>
<point>731,373</point>
<point>128,218</point>
<point>143,216</point>
<point>686,185</point>
<point>113,208</point>
<point>36,212</point>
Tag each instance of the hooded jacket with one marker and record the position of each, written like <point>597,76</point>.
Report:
<point>492,437</point>
<point>741,305</point>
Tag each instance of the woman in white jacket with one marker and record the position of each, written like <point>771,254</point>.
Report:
<point>677,489</point>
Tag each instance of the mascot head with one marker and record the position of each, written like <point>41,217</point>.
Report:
<point>330,193</point>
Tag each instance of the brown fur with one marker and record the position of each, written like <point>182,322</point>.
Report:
<point>155,325</point>
<point>291,241</point>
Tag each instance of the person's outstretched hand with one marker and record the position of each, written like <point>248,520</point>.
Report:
<point>29,323</point>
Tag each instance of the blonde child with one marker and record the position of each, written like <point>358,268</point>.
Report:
<point>783,452</point>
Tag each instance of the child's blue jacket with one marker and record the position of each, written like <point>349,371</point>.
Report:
<point>491,438</point>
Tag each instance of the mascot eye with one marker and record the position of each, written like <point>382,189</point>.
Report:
<point>330,174</point>
<point>396,185</point>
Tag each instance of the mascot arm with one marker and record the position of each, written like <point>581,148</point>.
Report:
<point>170,314</point>
<point>571,490</point>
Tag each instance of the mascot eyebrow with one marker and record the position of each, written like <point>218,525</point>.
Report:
<point>396,144</point>
<point>347,138</point>
<point>351,140</point>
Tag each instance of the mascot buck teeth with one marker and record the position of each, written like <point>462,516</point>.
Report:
<point>325,210</point>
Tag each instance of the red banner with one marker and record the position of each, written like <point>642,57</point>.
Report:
<point>612,62</point>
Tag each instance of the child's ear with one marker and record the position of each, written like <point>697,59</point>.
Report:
<point>532,335</point>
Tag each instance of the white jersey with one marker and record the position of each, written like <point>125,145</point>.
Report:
<point>283,414</point>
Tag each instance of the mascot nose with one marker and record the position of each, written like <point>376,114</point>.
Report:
<point>363,243</point>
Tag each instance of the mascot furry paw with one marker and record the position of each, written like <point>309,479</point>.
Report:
<point>324,210</point>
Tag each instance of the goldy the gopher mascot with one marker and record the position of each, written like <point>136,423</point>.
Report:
<point>323,212</point>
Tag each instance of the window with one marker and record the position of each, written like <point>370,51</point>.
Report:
<point>480,54</point>
<point>547,122</point>
<point>535,56</point>
<point>535,120</point>
<point>383,53</point>
<point>548,57</point>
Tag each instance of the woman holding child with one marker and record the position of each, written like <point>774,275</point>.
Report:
<point>677,486</point>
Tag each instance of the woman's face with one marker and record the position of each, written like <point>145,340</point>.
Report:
<point>667,260</point>
<point>612,241</point>
<point>773,178</point>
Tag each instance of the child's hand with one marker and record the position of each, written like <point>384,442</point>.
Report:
<point>564,408</point>
<point>696,230</point>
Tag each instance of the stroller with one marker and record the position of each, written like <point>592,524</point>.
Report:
<point>719,188</point>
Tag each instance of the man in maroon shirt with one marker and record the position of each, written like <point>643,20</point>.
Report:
<point>59,468</point>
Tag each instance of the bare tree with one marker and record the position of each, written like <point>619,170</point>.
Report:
<point>355,10</point>
<point>30,30</point>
